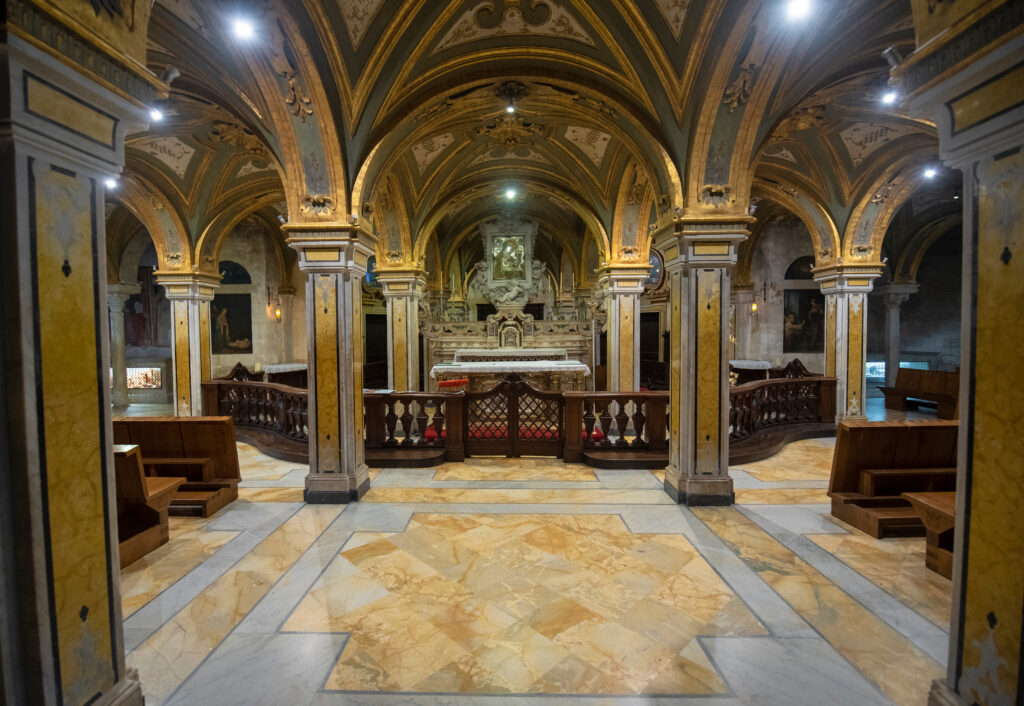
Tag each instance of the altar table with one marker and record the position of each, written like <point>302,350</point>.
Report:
<point>547,375</point>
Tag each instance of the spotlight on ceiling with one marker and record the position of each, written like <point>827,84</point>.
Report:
<point>510,109</point>
<point>798,9</point>
<point>243,28</point>
<point>510,194</point>
<point>889,97</point>
<point>156,115</point>
<point>110,183</point>
<point>931,173</point>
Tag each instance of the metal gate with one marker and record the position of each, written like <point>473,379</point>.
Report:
<point>513,419</point>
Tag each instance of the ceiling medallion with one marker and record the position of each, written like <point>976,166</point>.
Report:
<point>509,129</point>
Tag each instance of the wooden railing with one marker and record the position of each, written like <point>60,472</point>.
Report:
<point>272,417</point>
<point>397,420</point>
<point>765,404</point>
<point>626,421</point>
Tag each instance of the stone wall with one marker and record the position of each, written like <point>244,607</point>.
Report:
<point>929,319</point>
<point>272,341</point>
<point>779,245</point>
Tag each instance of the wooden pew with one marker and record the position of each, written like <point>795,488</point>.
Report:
<point>937,511</point>
<point>937,386</point>
<point>876,462</point>
<point>200,448</point>
<point>142,504</point>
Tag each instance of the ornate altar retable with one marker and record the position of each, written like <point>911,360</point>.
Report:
<point>548,369</point>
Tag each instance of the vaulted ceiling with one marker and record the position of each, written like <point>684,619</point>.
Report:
<point>628,114</point>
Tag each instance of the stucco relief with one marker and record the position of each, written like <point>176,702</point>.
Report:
<point>170,150</point>
<point>469,28</point>
<point>428,150</point>
<point>674,12</point>
<point>589,141</point>
<point>358,14</point>
<point>864,139</point>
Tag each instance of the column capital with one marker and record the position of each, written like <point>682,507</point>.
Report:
<point>709,241</point>
<point>326,248</point>
<point>623,278</point>
<point>895,293</point>
<point>117,295</point>
<point>198,286</point>
<point>402,283</point>
<point>841,279</point>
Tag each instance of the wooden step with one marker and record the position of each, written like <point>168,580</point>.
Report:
<point>202,502</point>
<point>405,457</point>
<point>625,460</point>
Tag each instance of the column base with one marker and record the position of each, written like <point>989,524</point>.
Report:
<point>942,695</point>
<point>334,489</point>
<point>701,492</point>
<point>127,692</point>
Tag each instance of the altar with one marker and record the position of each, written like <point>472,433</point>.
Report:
<point>548,369</point>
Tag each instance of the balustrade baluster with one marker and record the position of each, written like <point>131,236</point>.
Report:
<point>438,423</point>
<point>421,423</point>
<point>622,422</point>
<point>605,417</point>
<point>638,424</point>
<point>390,419</point>
<point>588,422</point>
<point>406,423</point>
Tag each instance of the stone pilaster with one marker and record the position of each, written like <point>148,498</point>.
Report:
<point>60,605</point>
<point>893,296</point>
<point>698,261</point>
<point>623,285</point>
<point>190,294</point>
<point>966,77</point>
<point>402,291</point>
<point>846,292</point>
<point>117,295</point>
<point>334,258</point>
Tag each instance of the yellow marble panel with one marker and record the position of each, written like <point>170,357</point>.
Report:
<point>801,460</point>
<point>886,658</point>
<point>830,336</point>
<point>675,363</point>
<point>271,495</point>
<point>988,100</point>
<point>55,105</point>
<point>782,496</point>
<point>627,341</point>
<point>995,546</point>
<point>399,357</point>
<point>173,652</point>
<point>708,370</point>
<point>546,604</point>
<point>145,579</point>
<point>897,567</point>
<point>490,495</point>
<point>322,254</point>
<point>508,469</point>
<point>711,248</point>
<point>73,457</point>
<point>855,353</point>
<point>355,285</point>
<point>205,351</point>
<point>182,361</point>
<point>326,351</point>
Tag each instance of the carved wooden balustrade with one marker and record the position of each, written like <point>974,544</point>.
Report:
<point>272,417</point>
<point>632,425</point>
<point>412,428</point>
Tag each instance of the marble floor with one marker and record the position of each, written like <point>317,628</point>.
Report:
<point>529,581</point>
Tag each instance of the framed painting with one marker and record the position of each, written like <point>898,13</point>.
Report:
<point>803,321</point>
<point>509,258</point>
<point>231,324</point>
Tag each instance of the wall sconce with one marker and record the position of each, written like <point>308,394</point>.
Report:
<point>277,314</point>
<point>275,302</point>
<point>753,306</point>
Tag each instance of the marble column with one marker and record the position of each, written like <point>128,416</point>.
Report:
<point>117,295</point>
<point>190,294</point>
<point>743,299</point>
<point>334,258</point>
<point>966,77</point>
<point>623,285</point>
<point>60,605</point>
<point>402,291</point>
<point>846,292</point>
<point>698,260</point>
<point>894,295</point>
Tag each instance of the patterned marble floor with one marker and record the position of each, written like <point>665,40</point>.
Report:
<point>530,581</point>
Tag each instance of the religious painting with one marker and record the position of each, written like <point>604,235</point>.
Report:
<point>147,315</point>
<point>509,258</point>
<point>804,321</point>
<point>657,271</point>
<point>801,268</point>
<point>370,281</point>
<point>231,324</point>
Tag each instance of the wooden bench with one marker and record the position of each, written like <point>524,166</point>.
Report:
<point>876,462</point>
<point>202,449</point>
<point>937,386</point>
<point>937,511</point>
<point>142,504</point>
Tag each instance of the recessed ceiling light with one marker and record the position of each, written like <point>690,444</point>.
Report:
<point>156,115</point>
<point>930,173</point>
<point>110,183</point>
<point>510,109</point>
<point>889,97</point>
<point>798,9</point>
<point>510,194</point>
<point>243,28</point>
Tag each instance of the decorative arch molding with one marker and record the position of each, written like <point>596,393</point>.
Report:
<point>815,217</point>
<point>216,231</point>
<point>909,260</point>
<point>165,225</point>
